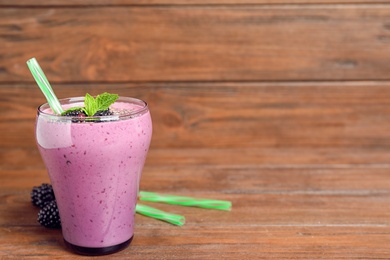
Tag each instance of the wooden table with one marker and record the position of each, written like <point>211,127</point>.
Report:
<point>281,107</point>
<point>280,210</point>
<point>298,203</point>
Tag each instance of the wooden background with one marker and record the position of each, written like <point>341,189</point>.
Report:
<point>282,107</point>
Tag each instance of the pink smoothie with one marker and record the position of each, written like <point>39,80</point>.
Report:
<point>95,170</point>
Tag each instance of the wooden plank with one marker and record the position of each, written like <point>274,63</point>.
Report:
<point>222,43</point>
<point>271,157</point>
<point>209,242</point>
<point>280,179</point>
<point>17,159</point>
<point>257,179</point>
<point>260,196</point>
<point>245,115</point>
<point>248,209</point>
<point>280,211</point>
<point>88,3</point>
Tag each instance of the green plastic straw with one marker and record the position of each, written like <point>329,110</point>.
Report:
<point>185,201</point>
<point>159,214</point>
<point>44,85</point>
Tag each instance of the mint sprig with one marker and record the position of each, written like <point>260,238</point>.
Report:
<point>92,105</point>
<point>105,100</point>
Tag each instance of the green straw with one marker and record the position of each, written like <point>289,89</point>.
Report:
<point>185,201</point>
<point>159,214</point>
<point>44,85</point>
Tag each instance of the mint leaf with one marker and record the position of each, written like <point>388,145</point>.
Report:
<point>90,104</point>
<point>104,100</point>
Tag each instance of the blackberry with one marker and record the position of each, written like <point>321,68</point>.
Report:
<point>106,112</point>
<point>49,216</point>
<point>42,195</point>
<point>75,113</point>
<point>78,115</point>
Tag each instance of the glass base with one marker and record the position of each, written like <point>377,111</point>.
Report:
<point>95,251</point>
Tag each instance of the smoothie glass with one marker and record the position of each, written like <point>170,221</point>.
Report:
<point>95,165</point>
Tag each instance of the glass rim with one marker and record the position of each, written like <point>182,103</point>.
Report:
<point>88,119</point>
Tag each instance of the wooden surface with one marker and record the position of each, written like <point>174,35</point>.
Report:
<point>282,107</point>
<point>243,43</point>
<point>121,3</point>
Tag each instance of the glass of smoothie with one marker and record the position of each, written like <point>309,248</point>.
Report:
<point>95,164</point>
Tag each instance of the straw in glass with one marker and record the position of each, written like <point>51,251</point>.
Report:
<point>159,214</point>
<point>44,85</point>
<point>185,201</point>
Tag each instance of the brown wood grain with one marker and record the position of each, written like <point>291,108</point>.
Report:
<point>278,221</point>
<point>247,115</point>
<point>248,43</point>
<point>287,210</point>
<point>300,179</point>
<point>271,242</point>
<point>248,209</point>
<point>281,107</point>
<point>87,3</point>
<point>16,159</point>
<point>300,200</point>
